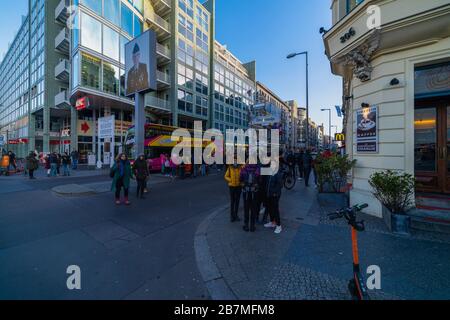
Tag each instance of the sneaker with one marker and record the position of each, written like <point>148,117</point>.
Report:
<point>269,225</point>
<point>278,230</point>
<point>118,202</point>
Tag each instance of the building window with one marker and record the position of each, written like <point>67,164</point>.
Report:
<point>94,5</point>
<point>127,19</point>
<point>110,43</point>
<point>90,36</point>
<point>137,26</point>
<point>111,80</point>
<point>90,71</point>
<point>351,4</point>
<point>112,11</point>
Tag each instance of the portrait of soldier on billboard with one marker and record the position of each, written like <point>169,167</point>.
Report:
<point>137,78</point>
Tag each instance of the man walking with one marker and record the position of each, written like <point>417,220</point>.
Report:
<point>233,177</point>
<point>32,164</point>
<point>65,159</point>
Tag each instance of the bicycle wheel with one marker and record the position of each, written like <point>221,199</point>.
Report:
<point>289,182</point>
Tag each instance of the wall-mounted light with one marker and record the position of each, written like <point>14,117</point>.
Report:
<point>395,82</point>
<point>323,30</point>
<point>346,98</point>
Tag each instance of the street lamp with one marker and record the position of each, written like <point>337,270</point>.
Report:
<point>329,128</point>
<point>293,55</point>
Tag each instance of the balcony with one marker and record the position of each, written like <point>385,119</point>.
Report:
<point>157,105</point>
<point>62,41</point>
<point>62,100</point>
<point>62,70</point>
<point>163,53</point>
<point>62,11</point>
<point>162,7</point>
<point>162,79</point>
<point>159,25</point>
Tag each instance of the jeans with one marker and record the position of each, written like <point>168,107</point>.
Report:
<point>203,168</point>
<point>66,171</point>
<point>250,207</point>
<point>274,210</point>
<point>307,174</point>
<point>119,186</point>
<point>74,164</point>
<point>235,197</point>
<point>53,169</point>
<point>141,185</point>
<point>31,173</point>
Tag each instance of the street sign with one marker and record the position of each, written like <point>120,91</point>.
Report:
<point>106,127</point>
<point>339,111</point>
<point>339,137</point>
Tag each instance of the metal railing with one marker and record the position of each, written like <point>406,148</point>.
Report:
<point>162,50</point>
<point>158,103</point>
<point>163,77</point>
<point>153,17</point>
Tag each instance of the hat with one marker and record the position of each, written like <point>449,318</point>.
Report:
<point>136,49</point>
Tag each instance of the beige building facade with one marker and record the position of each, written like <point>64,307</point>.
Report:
<point>394,58</point>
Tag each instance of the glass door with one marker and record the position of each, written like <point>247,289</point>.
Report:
<point>426,149</point>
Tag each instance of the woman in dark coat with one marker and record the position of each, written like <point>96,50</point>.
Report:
<point>121,173</point>
<point>141,172</point>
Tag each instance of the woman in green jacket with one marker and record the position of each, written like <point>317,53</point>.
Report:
<point>121,173</point>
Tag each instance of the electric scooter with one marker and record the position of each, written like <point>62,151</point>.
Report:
<point>356,286</point>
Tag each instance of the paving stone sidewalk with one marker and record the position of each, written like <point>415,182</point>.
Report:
<point>311,258</point>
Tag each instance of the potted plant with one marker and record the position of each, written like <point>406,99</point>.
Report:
<point>332,171</point>
<point>395,192</point>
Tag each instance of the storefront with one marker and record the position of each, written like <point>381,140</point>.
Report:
<point>396,89</point>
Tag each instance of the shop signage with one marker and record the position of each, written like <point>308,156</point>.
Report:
<point>348,35</point>
<point>85,128</point>
<point>18,141</point>
<point>339,137</point>
<point>367,129</point>
<point>82,103</point>
<point>106,127</point>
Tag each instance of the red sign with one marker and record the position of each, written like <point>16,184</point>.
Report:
<point>82,103</point>
<point>18,141</point>
<point>85,127</point>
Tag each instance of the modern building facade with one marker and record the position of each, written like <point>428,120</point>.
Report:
<point>65,70</point>
<point>394,58</point>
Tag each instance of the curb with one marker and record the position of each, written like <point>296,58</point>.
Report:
<point>73,190</point>
<point>212,277</point>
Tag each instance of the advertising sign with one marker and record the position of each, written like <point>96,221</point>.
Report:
<point>140,64</point>
<point>82,103</point>
<point>340,137</point>
<point>106,127</point>
<point>367,129</point>
<point>265,115</point>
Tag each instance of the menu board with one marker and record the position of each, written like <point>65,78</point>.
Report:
<point>367,130</point>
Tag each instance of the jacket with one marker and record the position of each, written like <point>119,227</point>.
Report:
<point>32,162</point>
<point>127,175</point>
<point>140,169</point>
<point>249,177</point>
<point>65,160</point>
<point>233,176</point>
<point>275,185</point>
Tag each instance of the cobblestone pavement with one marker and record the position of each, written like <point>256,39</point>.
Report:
<point>312,260</point>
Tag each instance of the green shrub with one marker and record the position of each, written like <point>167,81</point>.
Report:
<point>394,190</point>
<point>333,171</point>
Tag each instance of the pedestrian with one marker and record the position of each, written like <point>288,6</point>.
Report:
<point>121,174</point>
<point>53,164</point>
<point>58,163</point>
<point>274,187</point>
<point>74,155</point>
<point>32,164</point>
<point>262,206</point>
<point>141,172</point>
<point>307,166</point>
<point>299,162</point>
<point>290,160</point>
<point>65,159</point>
<point>166,165</point>
<point>173,168</point>
<point>162,158</point>
<point>203,168</point>
<point>233,177</point>
<point>47,165</point>
<point>12,161</point>
<point>249,177</point>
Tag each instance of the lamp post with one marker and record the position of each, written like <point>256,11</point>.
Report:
<point>293,55</point>
<point>329,128</point>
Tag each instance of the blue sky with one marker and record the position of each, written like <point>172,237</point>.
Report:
<point>261,30</point>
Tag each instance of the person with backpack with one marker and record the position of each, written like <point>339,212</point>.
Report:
<point>233,177</point>
<point>141,172</point>
<point>249,177</point>
<point>121,173</point>
<point>32,164</point>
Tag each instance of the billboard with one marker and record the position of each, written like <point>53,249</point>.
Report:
<point>140,64</point>
<point>265,115</point>
<point>367,129</point>
<point>106,127</point>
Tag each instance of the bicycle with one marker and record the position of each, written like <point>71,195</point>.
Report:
<point>289,180</point>
<point>356,285</point>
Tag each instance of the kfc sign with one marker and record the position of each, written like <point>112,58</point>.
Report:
<point>82,103</point>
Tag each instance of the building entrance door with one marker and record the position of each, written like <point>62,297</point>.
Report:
<point>432,145</point>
